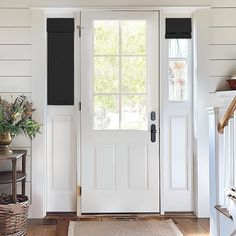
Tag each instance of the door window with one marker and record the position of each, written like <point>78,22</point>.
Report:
<point>119,75</point>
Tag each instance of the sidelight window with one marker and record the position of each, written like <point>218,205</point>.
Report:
<point>179,68</point>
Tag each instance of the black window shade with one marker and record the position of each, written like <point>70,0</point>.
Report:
<point>178,28</point>
<point>60,66</point>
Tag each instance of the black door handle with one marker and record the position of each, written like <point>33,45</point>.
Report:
<point>153,133</point>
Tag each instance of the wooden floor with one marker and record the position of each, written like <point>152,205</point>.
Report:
<point>58,225</point>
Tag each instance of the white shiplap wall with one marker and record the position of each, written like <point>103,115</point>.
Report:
<point>15,67</point>
<point>222,43</point>
<point>15,45</point>
<point>222,60</point>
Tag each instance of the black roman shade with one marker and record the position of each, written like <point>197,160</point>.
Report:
<point>60,64</point>
<point>178,28</point>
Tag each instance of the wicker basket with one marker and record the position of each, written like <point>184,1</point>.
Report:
<point>13,217</point>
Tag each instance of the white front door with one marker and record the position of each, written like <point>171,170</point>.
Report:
<point>119,90</point>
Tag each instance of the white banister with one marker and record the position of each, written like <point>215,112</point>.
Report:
<point>226,173</point>
<point>228,158</point>
<point>232,200</point>
<point>226,117</point>
<point>222,139</point>
<point>234,146</point>
<point>222,162</point>
<point>231,152</point>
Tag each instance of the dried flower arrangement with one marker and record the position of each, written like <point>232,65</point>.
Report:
<point>16,117</point>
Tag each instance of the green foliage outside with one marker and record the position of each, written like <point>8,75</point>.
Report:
<point>119,69</point>
<point>106,75</point>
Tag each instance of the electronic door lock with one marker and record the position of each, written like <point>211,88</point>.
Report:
<point>153,115</point>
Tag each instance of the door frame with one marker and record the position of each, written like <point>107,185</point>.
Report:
<point>52,13</point>
<point>39,154</point>
<point>164,99</point>
<point>157,11</point>
<point>39,78</point>
<point>39,95</point>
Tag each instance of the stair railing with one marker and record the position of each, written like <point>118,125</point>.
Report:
<point>229,113</point>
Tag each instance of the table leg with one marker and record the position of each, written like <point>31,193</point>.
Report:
<point>14,180</point>
<point>24,171</point>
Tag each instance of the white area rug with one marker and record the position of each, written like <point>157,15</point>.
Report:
<point>123,228</point>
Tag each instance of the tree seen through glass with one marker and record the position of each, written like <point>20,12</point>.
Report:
<point>178,69</point>
<point>120,75</point>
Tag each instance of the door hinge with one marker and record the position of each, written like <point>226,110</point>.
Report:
<point>79,27</point>
<point>79,106</point>
<point>79,190</point>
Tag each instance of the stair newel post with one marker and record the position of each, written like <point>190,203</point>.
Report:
<point>214,168</point>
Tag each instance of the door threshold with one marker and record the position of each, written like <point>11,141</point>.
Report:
<point>136,215</point>
<point>117,216</point>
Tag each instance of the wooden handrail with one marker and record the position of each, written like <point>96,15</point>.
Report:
<point>228,114</point>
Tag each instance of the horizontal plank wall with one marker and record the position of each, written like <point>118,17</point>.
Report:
<point>222,65</point>
<point>14,4</point>
<point>15,68</point>
<point>222,45</point>
<point>223,3</point>
<point>216,61</point>
<point>14,18</point>
<point>16,60</point>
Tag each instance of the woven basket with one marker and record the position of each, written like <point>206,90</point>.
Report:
<point>13,217</point>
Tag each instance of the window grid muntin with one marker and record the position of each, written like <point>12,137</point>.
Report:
<point>121,93</point>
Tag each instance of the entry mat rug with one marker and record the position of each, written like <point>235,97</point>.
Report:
<point>123,228</point>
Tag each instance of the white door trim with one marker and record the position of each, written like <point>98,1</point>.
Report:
<point>178,112</point>
<point>39,98</point>
<point>100,137</point>
<point>38,34</point>
<point>38,30</point>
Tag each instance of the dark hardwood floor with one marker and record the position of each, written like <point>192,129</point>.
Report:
<point>57,225</point>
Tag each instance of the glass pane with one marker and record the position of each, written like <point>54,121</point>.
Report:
<point>177,80</point>
<point>106,37</point>
<point>134,115</point>
<point>178,48</point>
<point>106,112</point>
<point>133,37</point>
<point>106,74</point>
<point>134,74</point>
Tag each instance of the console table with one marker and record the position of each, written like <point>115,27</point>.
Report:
<point>13,176</point>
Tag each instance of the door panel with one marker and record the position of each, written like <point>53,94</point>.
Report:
<point>61,153</point>
<point>119,89</point>
<point>105,174</point>
<point>138,166</point>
